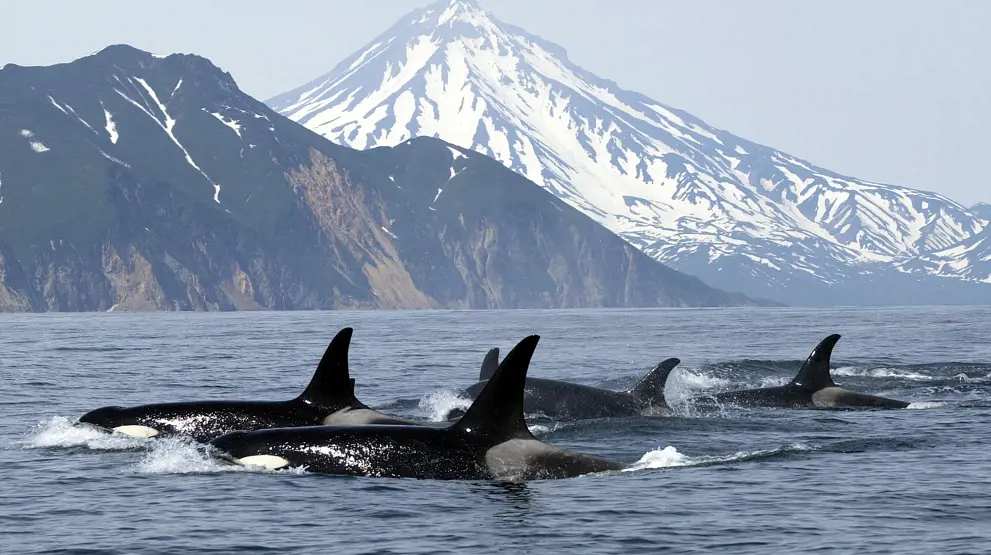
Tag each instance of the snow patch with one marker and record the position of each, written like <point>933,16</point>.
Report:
<point>177,85</point>
<point>56,104</point>
<point>111,126</point>
<point>115,160</point>
<point>81,120</point>
<point>167,126</point>
<point>233,123</point>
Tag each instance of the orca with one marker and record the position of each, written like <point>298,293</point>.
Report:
<point>560,400</point>
<point>491,441</point>
<point>813,387</point>
<point>328,399</point>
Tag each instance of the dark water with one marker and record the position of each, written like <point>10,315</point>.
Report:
<point>736,481</point>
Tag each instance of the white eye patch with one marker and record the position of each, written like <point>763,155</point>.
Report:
<point>137,431</point>
<point>271,462</point>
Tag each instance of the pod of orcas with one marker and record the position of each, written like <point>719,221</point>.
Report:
<point>326,429</point>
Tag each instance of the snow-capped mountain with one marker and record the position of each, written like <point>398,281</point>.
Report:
<point>737,214</point>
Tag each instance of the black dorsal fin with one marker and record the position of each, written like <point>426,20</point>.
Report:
<point>651,387</point>
<point>332,385</point>
<point>497,412</point>
<point>489,364</point>
<point>814,374</point>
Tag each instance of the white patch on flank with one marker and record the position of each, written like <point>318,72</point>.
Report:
<point>439,191</point>
<point>391,234</point>
<point>353,417</point>
<point>137,431</point>
<point>270,462</point>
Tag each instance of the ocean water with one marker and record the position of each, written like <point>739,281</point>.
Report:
<point>732,480</point>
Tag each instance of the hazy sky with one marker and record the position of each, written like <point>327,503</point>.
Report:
<point>897,91</point>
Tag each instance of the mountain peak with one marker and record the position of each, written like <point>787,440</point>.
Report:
<point>459,4</point>
<point>449,14</point>
<point>458,10</point>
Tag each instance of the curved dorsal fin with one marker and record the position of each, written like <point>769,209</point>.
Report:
<point>814,374</point>
<point>497,412</point>
<point>332,384</point>
<point>489,364</point>
<point>651,386</point>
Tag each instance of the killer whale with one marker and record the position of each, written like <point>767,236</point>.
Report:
<point>328,399</point>
<point>813,386</point>
<point>491,441</point>
<point>561,400</point>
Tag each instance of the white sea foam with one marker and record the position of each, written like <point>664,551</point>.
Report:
<point>683,384</point>
<point>926,405</point>
<point>435,405</point>
<point>671,457</point>
<point>880,372</point>
<point>60,431</point>
<point>180,455</point>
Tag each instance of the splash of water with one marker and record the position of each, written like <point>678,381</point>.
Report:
<point>880,372</point>
<point>180,455</point>
<point>437,404</point>
<point>670,457</point>
<point>59,431</point>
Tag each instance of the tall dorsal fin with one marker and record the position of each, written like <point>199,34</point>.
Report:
<point>651,386</point>
<point>497,412</point>
<point>814,374</point>
<point>489,364</point>
<point>332,385</point>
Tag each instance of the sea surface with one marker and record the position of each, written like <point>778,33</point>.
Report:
<point>728,480</point>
